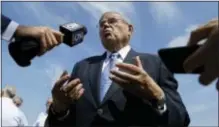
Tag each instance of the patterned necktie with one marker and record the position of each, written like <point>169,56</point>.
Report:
<point>105,80</point>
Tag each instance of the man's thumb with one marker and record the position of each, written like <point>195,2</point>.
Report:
<point>138,62</point>
<point>64,73</point>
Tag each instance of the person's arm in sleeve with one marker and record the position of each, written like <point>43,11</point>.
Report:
<point>65,118</point>
<point>47,37</point>
<point>37,122</point>
<point>176,114</point>
<point>8,28</point>
<point>25,121</point>
<point>20,119</point>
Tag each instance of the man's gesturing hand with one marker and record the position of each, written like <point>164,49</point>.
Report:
<point>208,54</point>
<point>47,37</point>
<point>136,80</point>
<point>64,95</point>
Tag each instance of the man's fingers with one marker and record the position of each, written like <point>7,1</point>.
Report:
<point>81,92</point>
<point>198,58</point>
<point>56,32</point>
<point>138,61</point>
<point>78,87</point>
<point>43,45</point>
<point>195,60</point>
<point>64,73</point>
<point>48,41</point>
<point>214,20</point>
<point>71,85</point>
<point>122,75</point>
<point>202,54</point>
<point>118,80</point>
<point>53,38</point>
<point>128,67</point>
<point>206,78</point>
<point>200,34</point>
<point>59,36</point>
<point>61,81</point>
<point>75,91</point>
<point>75,94</point>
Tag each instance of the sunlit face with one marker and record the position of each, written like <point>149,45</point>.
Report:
<point>18,104</point>
<point>114,31</point>
<point>18,101</point>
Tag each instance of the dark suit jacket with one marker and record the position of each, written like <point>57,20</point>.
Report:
<point>5,22</point>
<point>119,107</point>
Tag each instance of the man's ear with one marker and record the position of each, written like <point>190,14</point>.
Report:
<point>131,29</point>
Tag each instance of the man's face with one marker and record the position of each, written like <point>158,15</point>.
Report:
<point>114,31</point>
<point>18,102</point>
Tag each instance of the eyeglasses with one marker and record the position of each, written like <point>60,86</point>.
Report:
<point>111,21</point>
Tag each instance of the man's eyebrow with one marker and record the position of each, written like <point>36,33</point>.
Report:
<point>111,18</point>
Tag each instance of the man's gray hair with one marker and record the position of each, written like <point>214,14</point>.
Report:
<point>123,16</point>
<point>10,91</point>
<point>17,98</point>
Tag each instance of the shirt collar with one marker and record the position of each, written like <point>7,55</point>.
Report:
<point>122,52</point>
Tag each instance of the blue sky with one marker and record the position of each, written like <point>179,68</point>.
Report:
<point>156,25</point>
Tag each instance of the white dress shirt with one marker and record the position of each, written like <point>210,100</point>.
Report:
<point>40,120</point>
<point>10,30</point>
<point>11,114</point>
<point>122,52</point>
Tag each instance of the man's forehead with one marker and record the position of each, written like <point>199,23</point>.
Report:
<point>109,15</point>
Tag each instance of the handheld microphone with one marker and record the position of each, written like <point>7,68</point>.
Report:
<point>23,50</point>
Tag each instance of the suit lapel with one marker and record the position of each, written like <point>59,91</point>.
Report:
<point>114,87</point>
<point>94,77</point>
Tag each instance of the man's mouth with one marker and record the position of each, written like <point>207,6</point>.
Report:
<point>107,33</point>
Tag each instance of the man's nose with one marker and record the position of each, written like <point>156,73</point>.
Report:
<point>105,25</point>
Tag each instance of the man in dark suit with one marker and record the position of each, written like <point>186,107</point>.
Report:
<point>48,38</point>
<point>138,91</point>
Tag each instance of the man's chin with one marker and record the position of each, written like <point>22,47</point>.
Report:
<point>109,39</point>
<point>109,44</point>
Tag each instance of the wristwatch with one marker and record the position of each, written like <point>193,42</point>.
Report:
<point>159,104</point>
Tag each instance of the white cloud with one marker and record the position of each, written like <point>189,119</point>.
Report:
<point>42,14</point>
<point>205,114</point>
<point>96,9</point>
<point>165,12</point>
<point>201,102</point>
<point>182,40</point>
<point>198,108</point>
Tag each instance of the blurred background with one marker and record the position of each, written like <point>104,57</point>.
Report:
<point>156,25</point>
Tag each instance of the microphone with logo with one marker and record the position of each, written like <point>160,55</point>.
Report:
<point>23,50</point>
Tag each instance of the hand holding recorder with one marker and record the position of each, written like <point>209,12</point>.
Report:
<point>194,58</point>
<point>207,55</point>
<point>35,41</point>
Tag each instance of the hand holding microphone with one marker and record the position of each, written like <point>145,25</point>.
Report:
<point>47,37</point>
<point>35,41</point>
